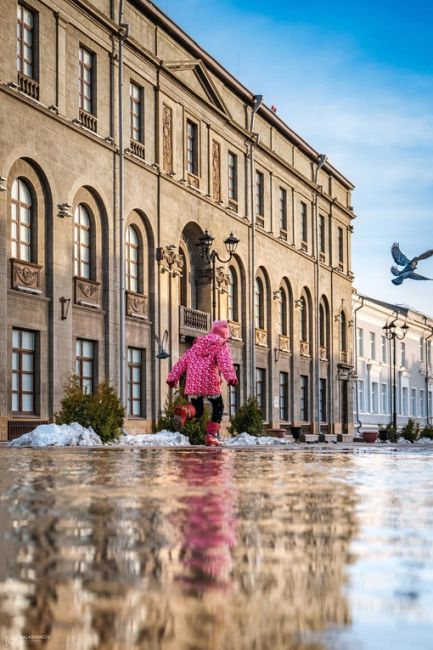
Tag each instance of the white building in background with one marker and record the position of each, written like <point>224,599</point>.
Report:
<point>373,388</point>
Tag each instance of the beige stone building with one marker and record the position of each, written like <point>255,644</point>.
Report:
<point>88,171</point>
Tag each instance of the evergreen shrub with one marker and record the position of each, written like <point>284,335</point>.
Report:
<point>249,418</point>
<point>103,411</point>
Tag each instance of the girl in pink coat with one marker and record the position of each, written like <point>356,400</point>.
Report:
<point>203,364</point>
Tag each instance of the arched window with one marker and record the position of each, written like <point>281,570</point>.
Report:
<point>260,305</point>
<point>183,281</point>
<point>22,218</point>
<point>322,326</point>
<point>282,313</point>
<point>343,331</point>
<point>131,259</point>
<point>233,303</point>
<point>304,319</point>
<point>82,242</point>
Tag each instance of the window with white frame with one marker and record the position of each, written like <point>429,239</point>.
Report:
<point>232,294</point>
<point>384,397</point>
<point>26,20</point>
<point>260,194</point>
<point>374,397</point>
<point>403,353</point>
<point>413,401</point>
<point>82,233</point>
<point>322,234</point>
<point>86,80</point>
<point>131,259</point>
<point>233,176</point>
<point>136,392</point>
<point>361,395</point>
<point>260,304</point>
<point>235,393</point>
<point>428,352</point>
<point>192,147</point>
<point>283,212</point>
<point>283,313</point>
<point>422,402</point>
<point>136,112</point>
<point>284,396</point>
<point>372,345</point>
<point>85,364</point>
<point>421,349</point>
<point>340,245</point>
<point>21,221</point>
<point>405,397</point>
<point>429,403</point>
<point>360,342</point>
<point>304,222</point>
<point>261,390</point>
<point>383,343</point>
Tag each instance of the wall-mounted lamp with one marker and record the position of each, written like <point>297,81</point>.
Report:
<point>298,302</point>
<point>64,210</point>
<point>65,303</point>
<point>277,294</point>
<point>3,184</point>
<point>162,352</point>
<point>276,354</point>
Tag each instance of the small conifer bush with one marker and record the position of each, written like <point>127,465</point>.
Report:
<point>427,432</point>
<point>103,411</point>
<point>249,418</point>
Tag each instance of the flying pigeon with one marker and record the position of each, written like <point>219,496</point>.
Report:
<point>409,265</point>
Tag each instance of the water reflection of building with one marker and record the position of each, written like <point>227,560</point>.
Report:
<point>100,543</point>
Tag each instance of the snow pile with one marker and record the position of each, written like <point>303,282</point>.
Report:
<point>160,439</point>
<point>58,435</point>
<point>424,441</point>
<point>245,439</point>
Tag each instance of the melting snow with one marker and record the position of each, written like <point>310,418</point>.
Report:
<point>58,435</point>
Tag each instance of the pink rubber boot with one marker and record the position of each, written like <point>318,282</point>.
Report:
<point>211,438</point>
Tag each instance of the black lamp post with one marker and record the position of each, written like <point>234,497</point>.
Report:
<point>211,256</point>
<point>392,333</point>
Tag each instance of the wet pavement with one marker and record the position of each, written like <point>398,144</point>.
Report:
<point>273,548</point>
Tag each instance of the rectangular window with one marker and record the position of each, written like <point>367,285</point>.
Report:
<point>284,396</point>
<point>374,397</point>
<point>136,112</point>
<point>384,398</point>
<point>421,349</point>
<point>322,234</point>
<point>322,404</point>
<point>304,223</point>
<point>428,352</point>
<point>403,353</point>
<point>360,342</point>
<point>235,393</point>
<point>233,176</point>
<point>340,245</point>
<point>372,345</point>
<point>429,403</point>
<point>305,407</point>
<point>405,397</point>
<point>383,348</point>
<point>261,390</point>
<point>361,393</point>
<point>283,213</point>
<point>26,41</point>
<point>86,80</point>
<point>413,401</point>
<point>260,193</point>
<point>85,364</point>
<point>136,385</point>
<point>422,402</point>
<point>23,371</point>
<point>192,147</point>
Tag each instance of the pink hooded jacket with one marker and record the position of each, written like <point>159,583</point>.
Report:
<point>203,362</point>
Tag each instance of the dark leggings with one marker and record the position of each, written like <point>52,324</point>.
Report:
<point>217,407</point>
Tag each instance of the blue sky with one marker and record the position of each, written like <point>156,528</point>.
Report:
<point>355,79</point>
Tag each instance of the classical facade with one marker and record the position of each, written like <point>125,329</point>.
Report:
<point>122,143</point>
<point>393,364</point>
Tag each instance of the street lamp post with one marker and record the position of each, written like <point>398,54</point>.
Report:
<point>211,256</point>
<point>392,333</point>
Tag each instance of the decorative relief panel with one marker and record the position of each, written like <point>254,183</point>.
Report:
<point>216,171</point>
<point>305,349</point>
<point>261,337</point>
<point>26,276</point>
<point>167,139</point>
<point>86,293</point>
<point>136,305</point>
<point>235,330</point>
<point>323,353</point>
<point>170,261</point>
<point>284,343</point>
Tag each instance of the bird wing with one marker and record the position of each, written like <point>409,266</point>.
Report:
<point>424,255</point>
<point>398,280</point>
<point>399,257</point>
<point>417,276</point>
<point>395,271</point>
